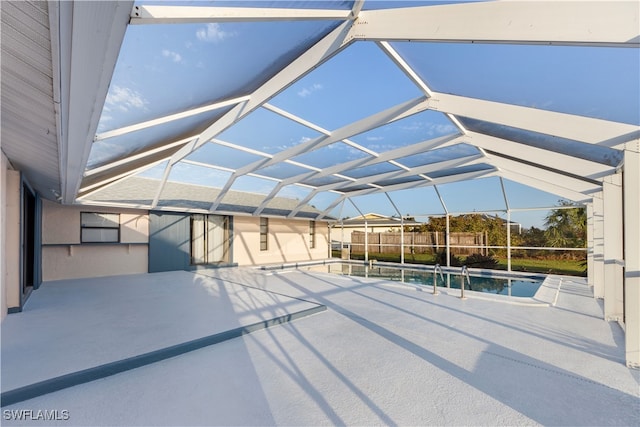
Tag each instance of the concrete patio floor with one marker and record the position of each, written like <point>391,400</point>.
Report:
<point>73,325</point>
<point>381,354</point>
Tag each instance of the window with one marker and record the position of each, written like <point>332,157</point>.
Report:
<point>209,239</point>
<point>312,234</point>
<point>99,227</point>
<point>264,233</point>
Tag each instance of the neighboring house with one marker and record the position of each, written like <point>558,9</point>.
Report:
<point>516,227</point>
<point>375,223</point>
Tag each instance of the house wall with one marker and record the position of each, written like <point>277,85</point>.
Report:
<point>3,235</point>
<point>164,245</point>
<point>288,241</point>
<point>337,232</point>
<point>64,257</point>
<point>12,243</point>
<point>10,237</point>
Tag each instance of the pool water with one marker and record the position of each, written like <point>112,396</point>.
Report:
<point>516,287</point>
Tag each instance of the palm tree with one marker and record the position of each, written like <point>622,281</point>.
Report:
<point>566,227</point>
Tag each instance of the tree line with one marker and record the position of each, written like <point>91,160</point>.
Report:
<point>565,227</point>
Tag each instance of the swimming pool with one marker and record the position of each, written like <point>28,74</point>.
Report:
<point>500,285</point>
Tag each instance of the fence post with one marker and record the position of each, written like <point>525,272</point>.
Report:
<point>366,241</point>
<point>486,243</point>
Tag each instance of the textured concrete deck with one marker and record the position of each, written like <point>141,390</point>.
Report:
<point>75,325</point>
<point>382,354</point>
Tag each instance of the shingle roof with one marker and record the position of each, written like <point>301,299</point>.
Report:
<point>180,196</point>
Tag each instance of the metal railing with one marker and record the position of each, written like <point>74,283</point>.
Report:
<point>435,271</point>
<point>464,273</point>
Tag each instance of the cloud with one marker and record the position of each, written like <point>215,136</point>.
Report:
<point>304,92</point>
<point>124,99</point>
<point>414,126</point>
<point>174,56</point>
<point>440,129</point>
<point>375,138</point>
<point>429,128</point>
<point>104,120</point>
<point>293,143</point>
<point>381,148</point>
<point>212,33</point>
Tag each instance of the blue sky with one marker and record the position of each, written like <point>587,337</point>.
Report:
<point>165,69</point>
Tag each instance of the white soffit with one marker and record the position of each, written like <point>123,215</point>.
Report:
<point>28,120</point>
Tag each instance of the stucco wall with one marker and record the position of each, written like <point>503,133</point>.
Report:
<point>74,262</point>
<point>64,257</point>
<point>288,241</point>
<point>9,237</point>
<point>12,235</point>
<point>3,235</point>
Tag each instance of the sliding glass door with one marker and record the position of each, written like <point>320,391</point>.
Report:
<point>209,239</point>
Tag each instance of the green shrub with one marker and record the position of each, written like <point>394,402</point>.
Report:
<point>441,258</point>
<point>481,261</point>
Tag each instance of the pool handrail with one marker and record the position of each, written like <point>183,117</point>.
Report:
<point>464,272</point>
<point>435,285</point>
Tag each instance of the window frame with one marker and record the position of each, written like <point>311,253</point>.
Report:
<point>83,227</point>
<point>264,234</point>
<point>206,238</point>
<point>312,234</point>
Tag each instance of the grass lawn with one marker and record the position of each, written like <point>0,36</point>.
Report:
<point>547,266</point>
<point>408,258</point>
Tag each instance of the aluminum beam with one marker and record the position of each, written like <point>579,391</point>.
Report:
<point>387,175</point>
<point>622,141</point>
<point>405,186</point>
<point>170,118</point>
<point>559,162</point>
<point>577,128</point>
<point>575,23</point>
<point>631,190</point>
<point>598,247</point>
<point>548,181</point>
<point>401,227</point>
<point>590,244</point>
<point>422,170</point>
<point>536,182</point>
<point>113,178</point>
<point>406,68</point>
<point>312,58</point>
<point>144,15</point>
<point>288,115</point>
<point>386,156</point>
<point>613,247</point>
<point>267,199</point>
<point>389,115</point>
<point>149,154</point>
<point>90,44</point>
